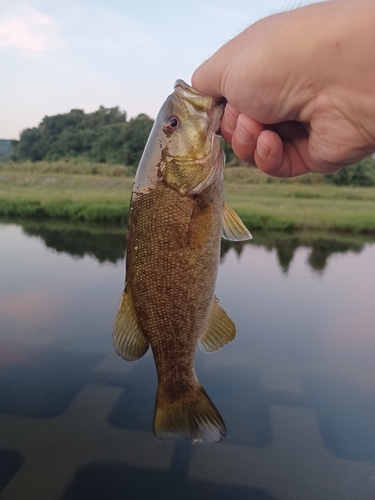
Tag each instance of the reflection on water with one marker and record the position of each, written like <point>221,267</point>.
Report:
<point>103,243</point>
<point>107,243</point>
<point>322,246</point>
<point>296,389</point>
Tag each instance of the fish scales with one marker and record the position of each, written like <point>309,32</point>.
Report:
<point>177,215</point>
<point>177,262</point>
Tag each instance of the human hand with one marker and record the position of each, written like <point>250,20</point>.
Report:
<point>300,87</point>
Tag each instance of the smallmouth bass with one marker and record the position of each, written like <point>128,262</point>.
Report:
<point>177,217</point>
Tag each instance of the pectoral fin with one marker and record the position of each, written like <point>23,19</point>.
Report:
<point>128,338</point>
<point>233,228</point>
<point>220,329</point>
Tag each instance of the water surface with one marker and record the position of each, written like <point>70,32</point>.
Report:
<point>296,389</point>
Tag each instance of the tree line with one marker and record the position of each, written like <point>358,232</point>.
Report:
<point>5,149</point>
<point>104,136</point>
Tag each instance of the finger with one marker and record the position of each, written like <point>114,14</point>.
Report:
<point>282,158</point>
<point>268,155</point>
<point>244,138</point>
<point>229,122</point>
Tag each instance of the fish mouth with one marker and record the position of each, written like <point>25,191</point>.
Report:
<point>220,104</point>
<point>187,88</point>
<point>201,102</point>
<point>221,101</point>
<point>180,85</point>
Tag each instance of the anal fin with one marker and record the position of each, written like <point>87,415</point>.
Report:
<point>233,228</point>
<point>128,339</point>
<point>220,329</point>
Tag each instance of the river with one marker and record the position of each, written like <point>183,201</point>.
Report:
<point>296,388</point>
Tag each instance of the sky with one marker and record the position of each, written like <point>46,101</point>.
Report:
<point>79,54</point>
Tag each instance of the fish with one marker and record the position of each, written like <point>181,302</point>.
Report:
<point>176,219</point>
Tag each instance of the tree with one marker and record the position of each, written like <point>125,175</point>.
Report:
<point>360,174</point>
<point>135,138</point>
<point>29,146</point>
<point>102,136</point>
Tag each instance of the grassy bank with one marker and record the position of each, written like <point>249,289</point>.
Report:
<point>101,193</point>
<point>74,191</point>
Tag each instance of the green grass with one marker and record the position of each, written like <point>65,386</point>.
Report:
<point>72,191</point>
<point>293,206</point>
<point>65,167</point>
<point>65,209</point>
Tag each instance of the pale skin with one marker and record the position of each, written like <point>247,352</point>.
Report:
<point>300,87</point>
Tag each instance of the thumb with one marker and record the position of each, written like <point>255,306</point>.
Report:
<point>208,77</point>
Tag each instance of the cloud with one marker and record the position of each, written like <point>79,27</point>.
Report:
<point>30,31</point>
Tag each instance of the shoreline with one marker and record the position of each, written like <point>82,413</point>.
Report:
<point>69,192</point>
<point>106,211</point>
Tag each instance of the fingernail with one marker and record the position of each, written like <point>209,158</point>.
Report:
<point>262,150</point>
<point>242,136</point>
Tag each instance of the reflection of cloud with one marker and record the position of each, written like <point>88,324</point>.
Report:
<point>30,30</point>
<point>34,307</point>
<point>17,353</point>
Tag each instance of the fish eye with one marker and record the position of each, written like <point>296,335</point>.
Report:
<point>171,123</point>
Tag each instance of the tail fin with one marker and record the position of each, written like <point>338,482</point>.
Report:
<point>194,418</point>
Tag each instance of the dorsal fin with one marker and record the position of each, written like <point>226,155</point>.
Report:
<point>233,228</point>
<point>220,329</point>
<point>128,338</point>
